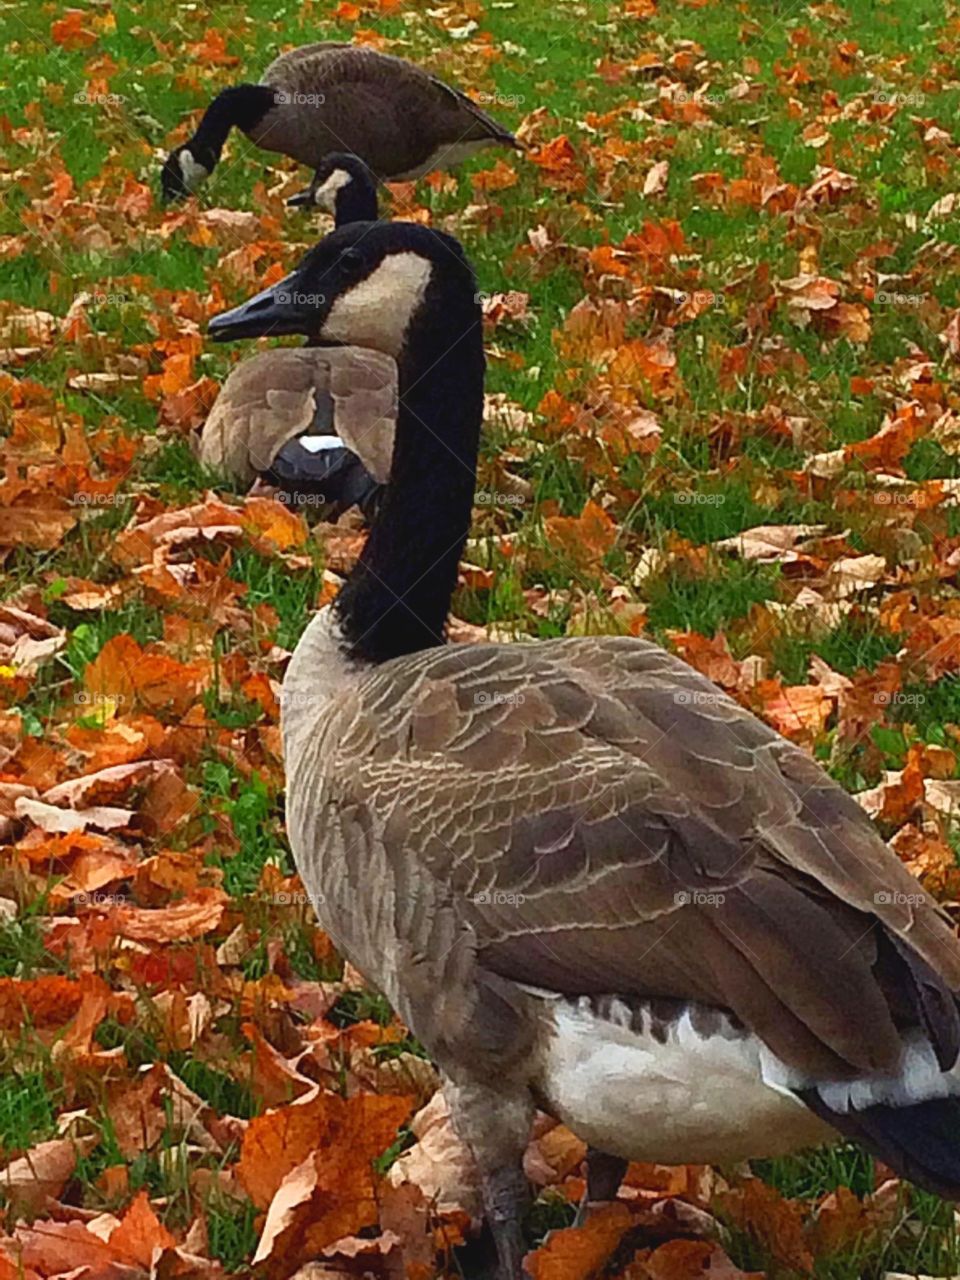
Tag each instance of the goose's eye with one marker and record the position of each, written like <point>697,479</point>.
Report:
<point>351,262</point>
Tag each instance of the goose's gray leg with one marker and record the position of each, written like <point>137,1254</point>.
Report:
<point>495,1124</point>
<point>604,1175</point>
<point>505,1197</point>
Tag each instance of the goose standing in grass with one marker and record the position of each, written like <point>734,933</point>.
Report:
<point>290,418</point>
<point>402,121</point>
<point>586,878</point>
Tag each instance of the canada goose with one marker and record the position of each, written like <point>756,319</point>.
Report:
<point>586,878</point>
<point>339,97</point>
<point>344,187</point>
<point>294,418</point>
<point>283,416</point>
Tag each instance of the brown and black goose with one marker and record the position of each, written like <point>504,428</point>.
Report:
<point>402,121</point>
<point>586,878</point>
<point>291,418</point>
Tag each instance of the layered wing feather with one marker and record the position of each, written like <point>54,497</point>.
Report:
<point>592,815</point>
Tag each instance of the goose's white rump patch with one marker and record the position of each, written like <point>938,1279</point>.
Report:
<point>918,1080</point>
<point>377,310</point>
<point>316,444</point>
<point>694,1087</point>
<point>677,1097</point>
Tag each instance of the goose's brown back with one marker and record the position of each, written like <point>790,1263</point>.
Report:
<point>391,113</point>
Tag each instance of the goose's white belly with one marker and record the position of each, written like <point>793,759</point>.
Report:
<point>666,1092</point>
<point>447,156</point>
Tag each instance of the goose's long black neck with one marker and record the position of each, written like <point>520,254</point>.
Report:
<point>242,106</point>
<point>356,202</point>
<point>397,599</point>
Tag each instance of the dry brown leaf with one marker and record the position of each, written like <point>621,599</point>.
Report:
<point>440,1163</point>
<point>42,1173</point>
<point>577,1253</point>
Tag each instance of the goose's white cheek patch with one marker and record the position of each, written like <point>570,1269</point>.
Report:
<point>192,171</point>
<point>325,196</point>
<point>376,312</point>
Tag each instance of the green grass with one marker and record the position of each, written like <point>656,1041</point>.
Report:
<point>27,1110</point>
<point>250,808</point>
<point>679,601</point>
<point>232,1229</point>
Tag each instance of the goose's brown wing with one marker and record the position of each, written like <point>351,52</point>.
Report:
<point>391,113</point>
<point>467,110</point>
<point>603,819</point>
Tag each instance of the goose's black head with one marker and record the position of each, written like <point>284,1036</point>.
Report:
<point>343,186</point>
<point>183,172</point>
<point>397,287</point>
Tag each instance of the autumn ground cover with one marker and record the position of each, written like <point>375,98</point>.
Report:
<point>722,333</point>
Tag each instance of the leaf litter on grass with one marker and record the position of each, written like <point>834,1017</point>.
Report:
<point>722,322</point>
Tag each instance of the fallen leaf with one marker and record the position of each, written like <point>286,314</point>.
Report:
<point>42,1173</point>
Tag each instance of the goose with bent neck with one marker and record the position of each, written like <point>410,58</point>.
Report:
<point>586,878</point>
<point>326,97</point>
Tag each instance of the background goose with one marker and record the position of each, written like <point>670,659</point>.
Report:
<point>295,418</point>
<point>285,416</point>
<point>585,877</point>
<point>342,186</point>
<point>339,97</point>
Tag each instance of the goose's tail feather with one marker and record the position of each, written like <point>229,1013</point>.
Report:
<point>919,1142</point>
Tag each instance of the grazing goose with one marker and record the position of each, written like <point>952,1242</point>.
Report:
<point>342,186</point>
<point>586,878</point>
<point>339,97</point>
<point>283,416</point>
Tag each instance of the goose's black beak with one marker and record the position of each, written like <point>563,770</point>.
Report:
<point>301,198</point>
<point>281,309</point>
